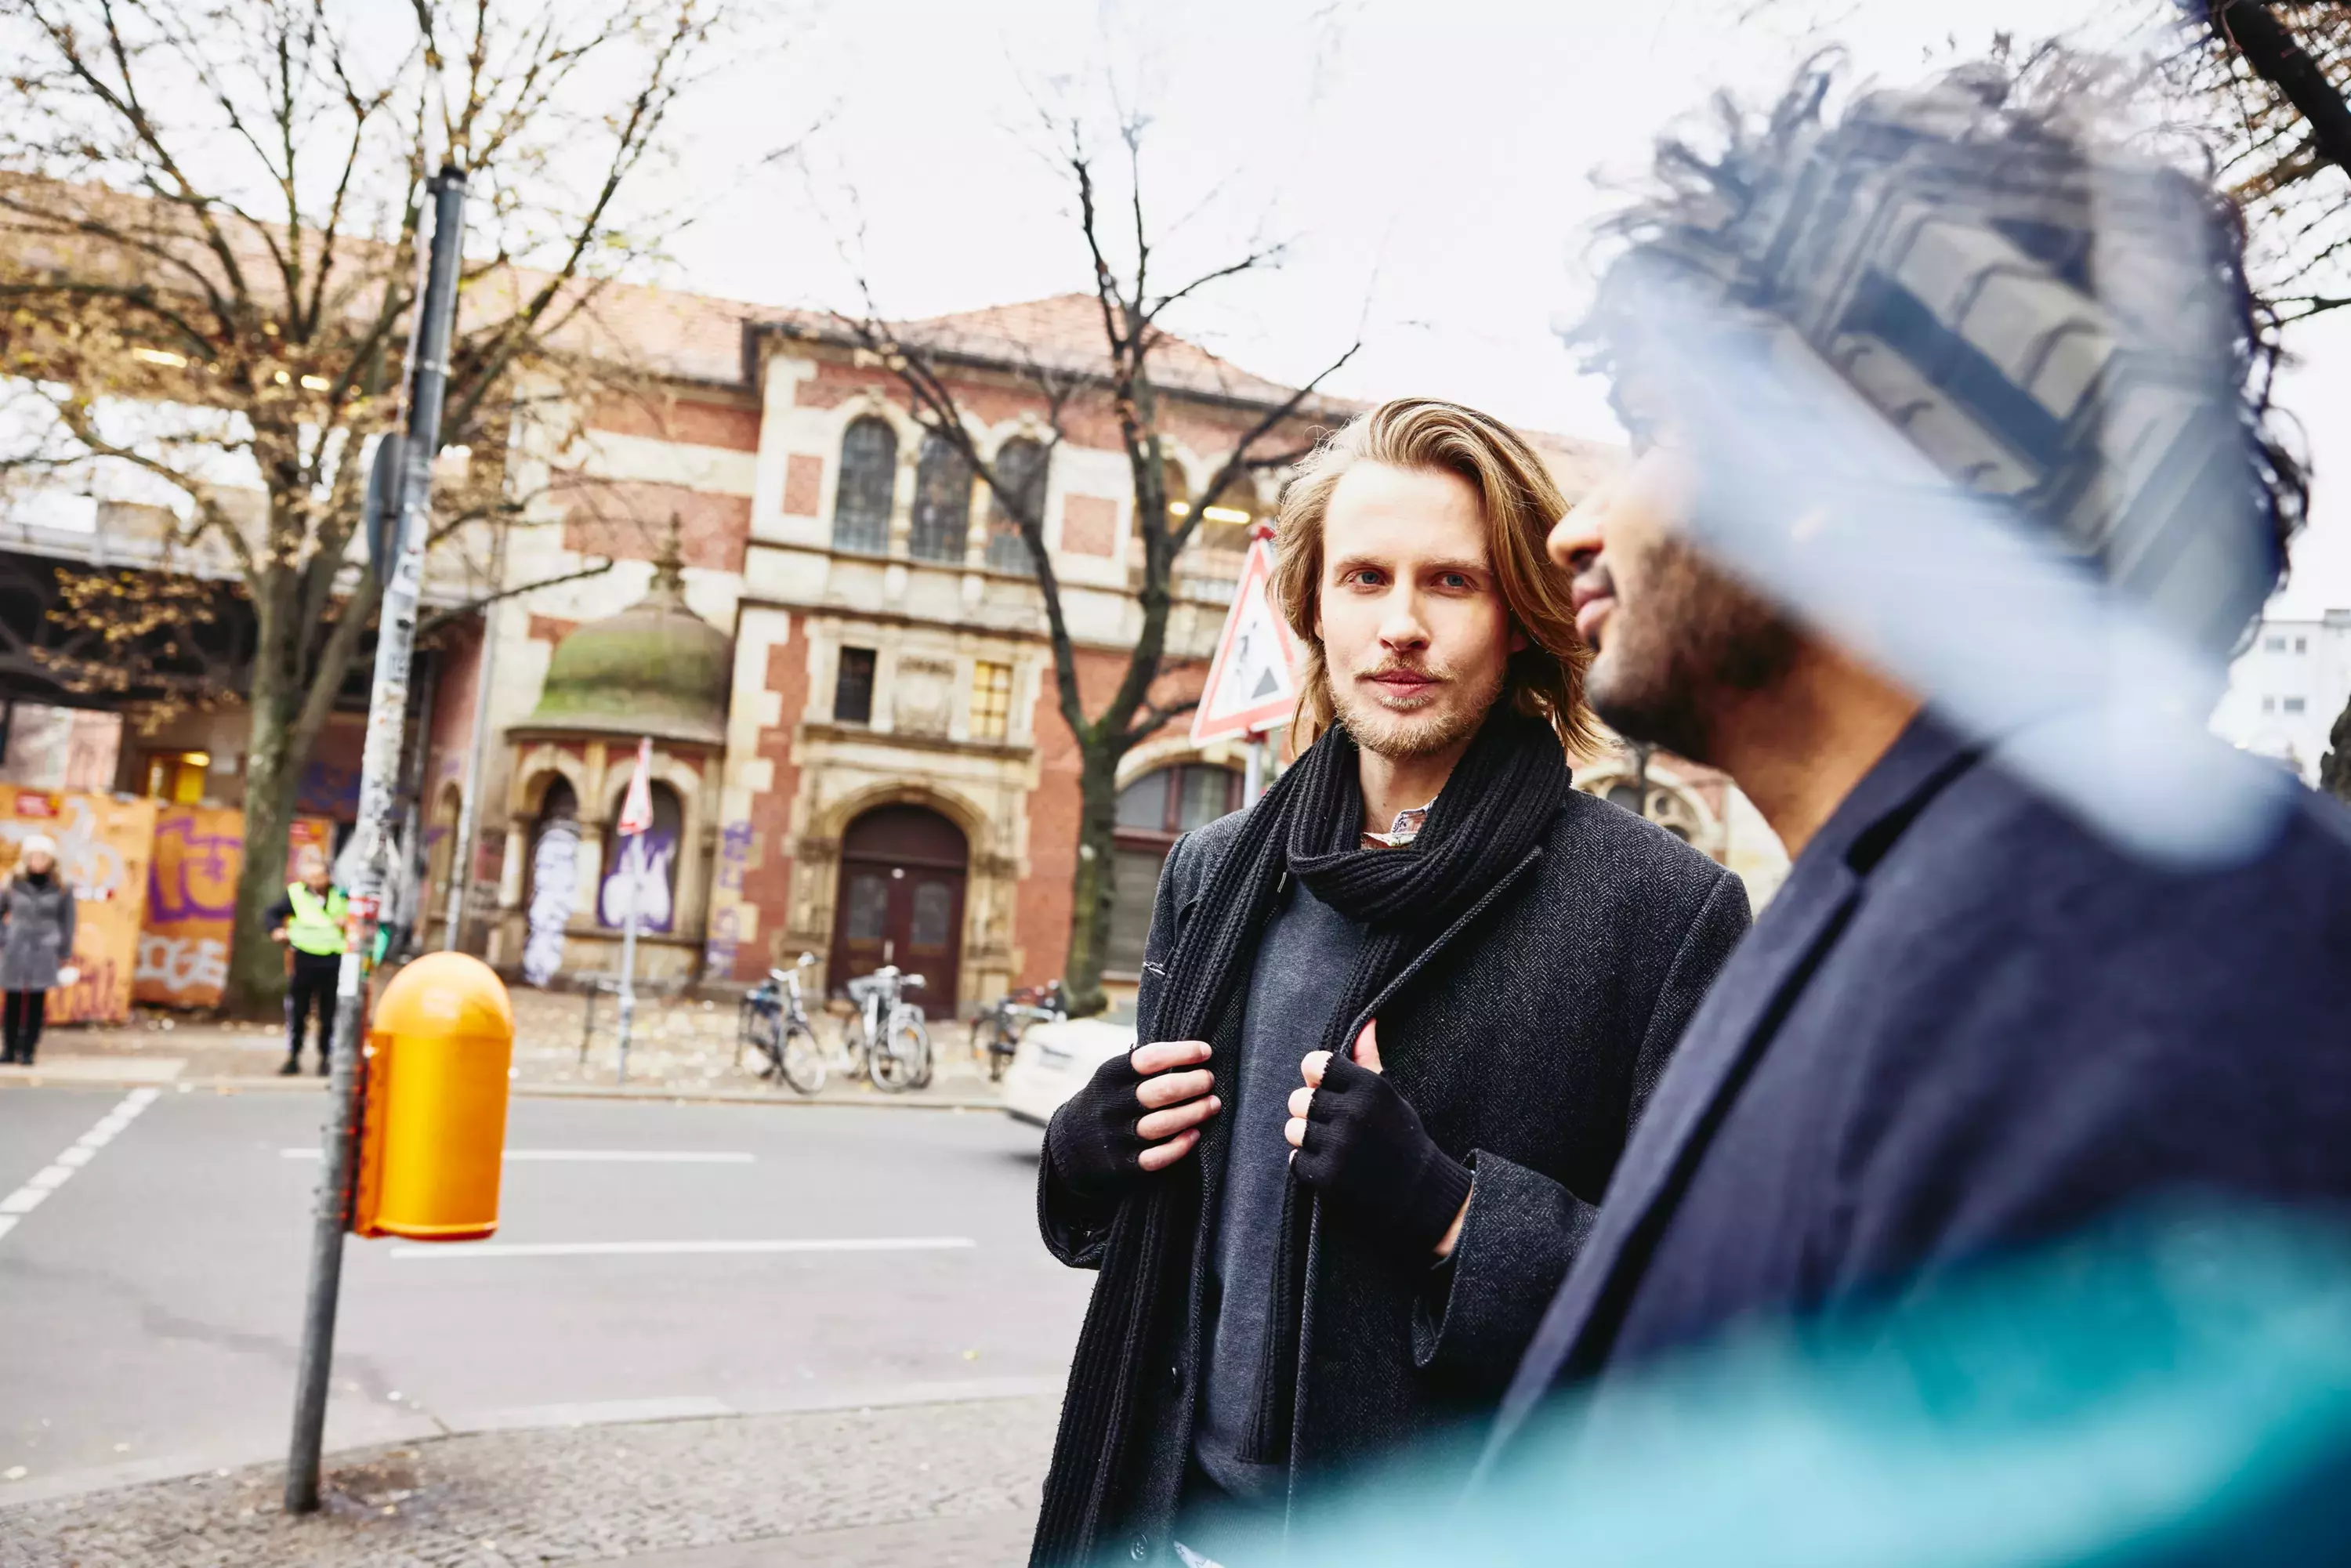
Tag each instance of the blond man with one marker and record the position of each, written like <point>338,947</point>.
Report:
<point>1397,1018</point>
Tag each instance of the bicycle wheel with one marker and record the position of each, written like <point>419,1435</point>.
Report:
<point>760,1029</point>
<point>800,1060</point>
<point>902,1058</point>
<point>922,1036</point>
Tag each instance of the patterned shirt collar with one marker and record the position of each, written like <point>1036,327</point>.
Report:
<point>1403,831</point>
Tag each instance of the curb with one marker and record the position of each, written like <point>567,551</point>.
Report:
<point>428,1428</point>
<point>273,1085</point>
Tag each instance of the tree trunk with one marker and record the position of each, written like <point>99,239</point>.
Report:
<point>1096,880</point>
<point>256,971</point>
<point>2334,768</point>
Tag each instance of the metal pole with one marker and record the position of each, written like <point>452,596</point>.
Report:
<point>629,955</point>
<point>380,763</point>
<point>461,854</point>
<point>1253,778</point>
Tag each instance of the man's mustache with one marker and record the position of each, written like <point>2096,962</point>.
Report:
<point>1595,581</point>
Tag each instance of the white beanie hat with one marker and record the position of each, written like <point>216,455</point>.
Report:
<point>38,844</point>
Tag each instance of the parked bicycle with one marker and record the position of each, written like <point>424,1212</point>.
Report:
<point>996,1028</point>
<point>887,1036</point>
<point>774,1020</point>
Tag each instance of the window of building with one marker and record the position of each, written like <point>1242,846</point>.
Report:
<point>1151,811</point>
<point>991,700</point>
<point>2274,645</point>
<point>1020,467</point>
<point>2269,704</point>
<point>869,472</point>
<point>177,776</point>
<point>941,501</point>
<point>2302,644</point>
<point>2294,705</point>
<point>852,688</point>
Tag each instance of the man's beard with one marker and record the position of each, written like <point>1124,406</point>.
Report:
<point>1384,732</point>
<point>1697,638</point>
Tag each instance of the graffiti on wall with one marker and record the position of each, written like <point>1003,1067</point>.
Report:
<point>726,938</point>
<point>554,890</point>
<point>191,906</point>
<point>644,872</point>
<point>102,850</point>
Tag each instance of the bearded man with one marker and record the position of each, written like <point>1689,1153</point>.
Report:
<point>1978,1016</point>
<point>1320,1236</point>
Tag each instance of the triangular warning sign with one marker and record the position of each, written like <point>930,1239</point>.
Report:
<point>1252,682</point>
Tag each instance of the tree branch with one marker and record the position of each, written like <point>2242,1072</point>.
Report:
<point>442,617</point>
<point>2268,46</point>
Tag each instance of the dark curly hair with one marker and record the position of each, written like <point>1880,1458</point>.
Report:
<point>2114,258</point>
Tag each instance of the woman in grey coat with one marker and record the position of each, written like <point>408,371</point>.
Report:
<point>36,939</point>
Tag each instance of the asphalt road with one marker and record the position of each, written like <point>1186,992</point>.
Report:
<point>149,1304</point>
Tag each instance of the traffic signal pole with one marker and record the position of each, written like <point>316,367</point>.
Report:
<point>378,771</point>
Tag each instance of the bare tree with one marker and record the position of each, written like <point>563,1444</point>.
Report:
<point>2274,80</point>
<point>208,262</point>
<point>1131,376</point>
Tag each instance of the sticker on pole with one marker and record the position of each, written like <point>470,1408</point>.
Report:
<point>637,810</point>
<point>1253,680</point>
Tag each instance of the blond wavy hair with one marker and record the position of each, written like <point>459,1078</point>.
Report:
<point>1520,502</point>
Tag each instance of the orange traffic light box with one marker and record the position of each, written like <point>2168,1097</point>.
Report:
<point>433,1130</point>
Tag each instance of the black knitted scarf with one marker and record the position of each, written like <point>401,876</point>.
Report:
<point>1497,804</point>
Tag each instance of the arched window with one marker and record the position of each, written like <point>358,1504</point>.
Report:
<point>558,813</point>
<point>1020,467</point>
<point>1151,811</point>
<point>646,865</point>
<point>553,881</point>
<point>941,501</point>
<point>868,470</point>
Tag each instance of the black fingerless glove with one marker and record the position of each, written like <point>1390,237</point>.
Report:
<point>1366,1151</point>
<point>1090,1142</point>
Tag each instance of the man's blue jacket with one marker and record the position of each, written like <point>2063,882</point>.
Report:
<point>1967,1024</point>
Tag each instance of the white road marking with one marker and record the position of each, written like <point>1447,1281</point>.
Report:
<point>599,1156</point>
<point>59,1171</point>
<point>660,1249</point>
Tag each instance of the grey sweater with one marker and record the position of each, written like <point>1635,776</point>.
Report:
<point>1290,994</point>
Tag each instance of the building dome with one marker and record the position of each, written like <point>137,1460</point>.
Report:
<point>656,669</point>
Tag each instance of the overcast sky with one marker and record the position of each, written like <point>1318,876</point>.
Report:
<point>1430,169</point>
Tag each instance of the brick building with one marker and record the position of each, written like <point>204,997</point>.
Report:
<point>837,645</point>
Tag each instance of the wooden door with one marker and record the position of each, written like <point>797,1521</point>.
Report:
<point>901,902</point>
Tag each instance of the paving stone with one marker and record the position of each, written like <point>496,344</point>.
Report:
<point>933,1484</point>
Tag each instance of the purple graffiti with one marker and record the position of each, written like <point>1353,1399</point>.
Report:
<point>193,875</point>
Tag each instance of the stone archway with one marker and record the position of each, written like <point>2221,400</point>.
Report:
<point>902,883</point>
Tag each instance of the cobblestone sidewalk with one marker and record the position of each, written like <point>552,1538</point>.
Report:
<point>679,1046</point>
<point>871,1489</point>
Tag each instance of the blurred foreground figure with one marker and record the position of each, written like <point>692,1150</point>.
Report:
<point>1962,498</point>
<point>2169,1392</point>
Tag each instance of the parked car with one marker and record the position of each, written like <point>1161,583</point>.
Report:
<point>1054,1060</point>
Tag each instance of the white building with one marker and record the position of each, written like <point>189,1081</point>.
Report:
<point>2286,690</point>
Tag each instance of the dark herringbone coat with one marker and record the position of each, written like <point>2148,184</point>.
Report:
<point>1527,1036</point>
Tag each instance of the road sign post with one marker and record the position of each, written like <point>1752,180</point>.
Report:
<point>403,564</point>
<point>636,821</point>
<point>1252,682</point>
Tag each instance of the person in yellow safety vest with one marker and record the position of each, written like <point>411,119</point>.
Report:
<point>309,921</point>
